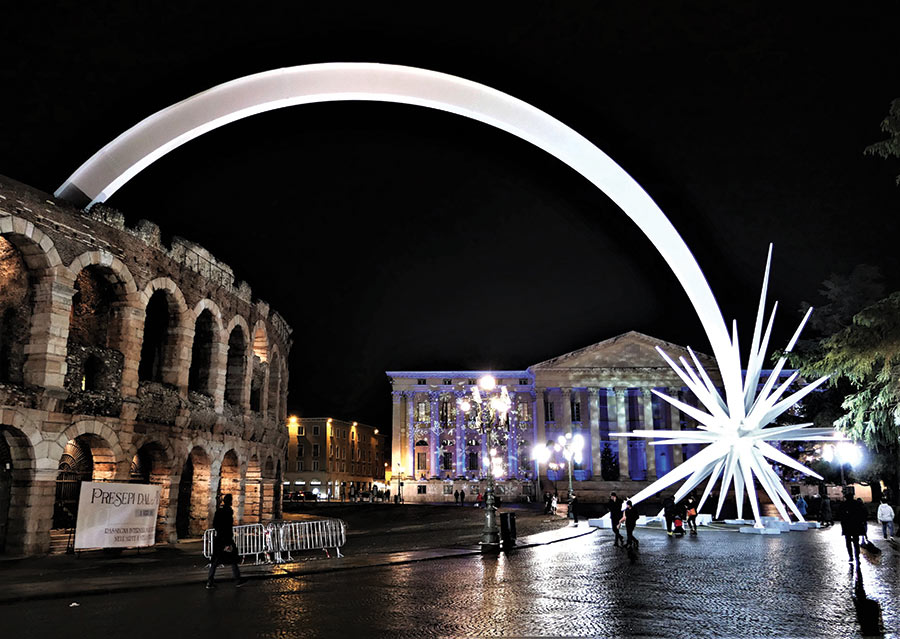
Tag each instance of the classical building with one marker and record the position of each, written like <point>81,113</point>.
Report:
<point>122,359</point>
<point>333,458</point>
<point>595,391</point>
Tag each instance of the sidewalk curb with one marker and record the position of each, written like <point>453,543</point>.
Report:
<point>278,571</point>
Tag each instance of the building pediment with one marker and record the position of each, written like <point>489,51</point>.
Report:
<point>629,350</point>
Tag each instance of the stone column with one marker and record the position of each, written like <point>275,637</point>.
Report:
<point>565,424</point>
<point>398,430</point>
<point>622,426</point>
<point>594,426</point>
<point>410,466</point>
<point>434,433</point>
<point>512,442</point>
<point>649,451</point>
<point>675,424</point>
<point>460,435</point>
<point>540,426</point>
<point>45,353</point>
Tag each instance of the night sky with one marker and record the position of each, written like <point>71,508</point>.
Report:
<point>410,239</point>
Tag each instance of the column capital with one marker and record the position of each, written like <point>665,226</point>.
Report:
<point>397,396</point>
<point>434,394</point>
<point>620,392</point>
<point>671,391</point>
<point>646,392</point>
<point>593,392</point>
<point>566,392</point>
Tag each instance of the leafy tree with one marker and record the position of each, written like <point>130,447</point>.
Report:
<point>889,148</point>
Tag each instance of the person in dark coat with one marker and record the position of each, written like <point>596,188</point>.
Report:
<point>456,496</point>
<point>853,521</point>
<point>825,516</point>
<point>224,548</point>
<point>615,516</point>
<point>573,507</point>
<point>669,513</point>
<point>630,518</point>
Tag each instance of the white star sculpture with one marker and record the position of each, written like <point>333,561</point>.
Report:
<point>735,428</point>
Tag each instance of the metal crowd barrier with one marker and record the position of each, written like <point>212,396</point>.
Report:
<point>274,542</point>
<point>319,534</point>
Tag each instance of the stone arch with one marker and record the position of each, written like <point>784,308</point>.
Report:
<point>135,149</point>
<point>32,330</point>
<point>17,466</point>
<point>100,331</point>
<point>237,371</point>
<point>167,334</point>
<point>192,509</point>
<point>208,352</point>
<point>229,478</point>
<point>91,453</point>
<point>152,464</point>
<point>260,341</point>
<point>259,367</point>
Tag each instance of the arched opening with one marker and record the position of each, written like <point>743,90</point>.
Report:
<point>16,481</point>
<point>88,457</point>
<point>261,344</point>
<point>236,368</point>
<point>252,490</point>
<point>93,364</point>
<point>16,302</point>
<point>229,479</point>
<point>193,495</point>
<point>151,465</point>
<point>256,387</point>
<point>94,370</point>
<point>157,349</point>
<point>274,387</point>
<point>200,374</point>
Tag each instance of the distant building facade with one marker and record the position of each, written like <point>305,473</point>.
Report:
<point>595,391</point>
<point>333,458</point>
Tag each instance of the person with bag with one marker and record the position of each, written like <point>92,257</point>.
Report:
<point>886,519</point>
<point>224,549</point>
<point>690,511</point>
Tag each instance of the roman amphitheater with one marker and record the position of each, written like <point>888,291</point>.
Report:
<point>122,359</point>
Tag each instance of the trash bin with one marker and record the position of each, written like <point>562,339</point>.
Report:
<point>508,529</point>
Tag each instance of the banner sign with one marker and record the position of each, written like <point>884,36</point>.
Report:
<point>116,515</point>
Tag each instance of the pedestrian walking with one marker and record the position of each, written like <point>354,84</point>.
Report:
<point>615,515</point>
<point>801,505</point>
<point>547,499</point>
<point>825,516</point>
<point>224,548</point>
<point>853,521</point>
<point>553,503</point>
<point>478,500</point>
<point>690,511</point>
<point>462,497</point>
<point>886,519</point>
<point>573,507</point>
<point>629,518</point>
<point>456,496</point>
<point>669,513</point>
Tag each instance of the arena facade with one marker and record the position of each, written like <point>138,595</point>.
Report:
<point>122,359</point>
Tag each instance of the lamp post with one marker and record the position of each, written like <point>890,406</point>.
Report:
<point>845,453</point>
<point>489,404</point>
<point>570,446</point>
<point>399,484</point>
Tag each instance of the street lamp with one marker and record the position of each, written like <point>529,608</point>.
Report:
<point>845,453</point>
<point>570,446</point>
<point>399,484</point>
<point>489,404</point>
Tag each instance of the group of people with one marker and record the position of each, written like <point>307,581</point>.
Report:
<point>855,525</point>
<point>459,498</point>
<point>619,514</point>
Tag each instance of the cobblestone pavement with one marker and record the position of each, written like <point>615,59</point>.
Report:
<point>718,584</point>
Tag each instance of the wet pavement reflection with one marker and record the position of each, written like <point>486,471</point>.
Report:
<point>718,584</point>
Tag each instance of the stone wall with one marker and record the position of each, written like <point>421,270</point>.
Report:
<point>76,287</point>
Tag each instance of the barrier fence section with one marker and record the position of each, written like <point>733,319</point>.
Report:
<point>274,542</point>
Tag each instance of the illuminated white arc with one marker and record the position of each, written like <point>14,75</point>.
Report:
<point>135,149</point>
